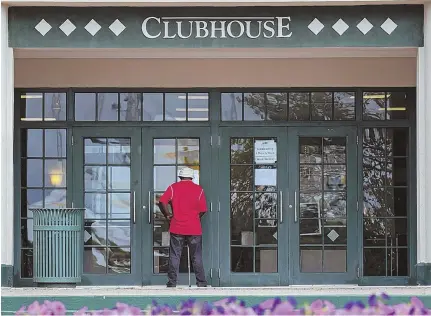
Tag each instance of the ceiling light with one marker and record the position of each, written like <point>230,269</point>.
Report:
<point>31,96</point>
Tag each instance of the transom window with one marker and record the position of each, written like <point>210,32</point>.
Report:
<point>141,106</point>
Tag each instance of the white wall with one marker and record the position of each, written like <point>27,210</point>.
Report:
<point>6,144</point>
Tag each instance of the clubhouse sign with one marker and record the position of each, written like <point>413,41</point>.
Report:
<point>216,28</point>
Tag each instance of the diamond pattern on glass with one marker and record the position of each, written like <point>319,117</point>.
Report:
<point>117,27</point>
<point>93,27</point>
<point>316,26</point>
<point>364,26</point>
<point>43,27</point>
<point>333,235</point>
<point>340,27</point>
<point>389,26</point>
<point>67,27</point>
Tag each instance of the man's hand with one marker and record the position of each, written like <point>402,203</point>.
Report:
<point>169,218</point>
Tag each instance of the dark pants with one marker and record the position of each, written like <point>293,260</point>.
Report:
<point>176,246</point>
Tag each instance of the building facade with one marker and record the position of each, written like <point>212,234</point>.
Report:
<point>307,125</point>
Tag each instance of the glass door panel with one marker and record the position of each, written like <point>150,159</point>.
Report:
<point>324,205</point>
<point>170,152</point>
<point>106,162</point>
<point>251,207</point>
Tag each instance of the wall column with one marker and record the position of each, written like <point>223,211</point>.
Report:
<point>6,153</point>
<point>423,148</point>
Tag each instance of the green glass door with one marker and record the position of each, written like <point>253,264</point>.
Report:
<point>323,205</point>
<point>164,152</point>
<point>252,220</point>
<point>106,181</point>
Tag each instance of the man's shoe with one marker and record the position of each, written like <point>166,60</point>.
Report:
<point>171,285</point>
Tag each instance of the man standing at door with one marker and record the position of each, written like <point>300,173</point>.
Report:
<point>188,204</point>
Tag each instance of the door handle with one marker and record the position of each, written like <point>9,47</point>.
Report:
<point>296,207</point>
<point>281,206</point>
<point>149,207</point>
<point>134,207</point>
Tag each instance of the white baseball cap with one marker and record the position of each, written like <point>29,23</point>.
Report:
<point>186,173</point>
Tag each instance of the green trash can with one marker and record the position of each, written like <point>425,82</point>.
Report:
<point>57,246</point>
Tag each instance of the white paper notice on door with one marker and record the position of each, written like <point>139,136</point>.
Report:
<point>265,177</point>
<point>265,151</point>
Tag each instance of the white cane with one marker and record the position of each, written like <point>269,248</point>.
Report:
<point>188,263</point>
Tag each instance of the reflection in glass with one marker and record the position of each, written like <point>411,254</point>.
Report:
<point>175,106</point>
<point>374,105</point>
<point>130,106</point>
<point>197,106</point>
<point>344,105</point>
<point>107,106</point>
<point>27,233</point>
<point>241,259</point>
<point>254,106</point>
<point>335,259</point>
<point>164,176</point>
<point>321,106</point>
<point>334,205</point>
<point>241,150</point>
<point>94,232</point>
<point>374,142</point>
<point>85,106</point>
<point>241,218</point>
<point>164,151</point>
<point>398,262</point>
<point>310,150</point>
<point>335,177</point>
<point>95,178</point>
<point>33,177</point>
<point>95,151</point>
<point>55,143</point>
<point>396,232</point>
<point>188,151</point>
<point>119,178</point>
<point>299,106</point>
<point>33,138</point>
<point>266,232</point>
<point>119,205</point>
<point>334,150</point>
<point>119,260</point>
<point>27,263</point>
<point>231,106</point>
<point>160,260</point>
<point>276,106</point>
<point>153,106</point>
<point>396,172</point>
<point>266,260</point>
<point>241,178</point>
<point>119,233</point>
<point>55,106</point>
<point>266,205</point>
<point>31,106</point>
<point>119,151</point>
<point>161,233</point>
<point>55,198</point>
<point>95,260</point>
<point>397,106</point>
<point>95,205</point>
<point>310,177</point>
<point>30,198</point>
<point>396,201</point>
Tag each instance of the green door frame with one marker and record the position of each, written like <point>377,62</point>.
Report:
<point>227,277</point>
<point>148,136</point>
<point>351,276</point>
<point>79,134</point>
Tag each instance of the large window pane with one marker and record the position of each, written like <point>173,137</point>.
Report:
<point>276,106</point>
<point>31,106</point>
<point>130,106</point>
<point>55,106</point>
<point>198,109</point>
<point>231,106</point>
<point>107,106</point>
<point>85,106</point>
<point>153,106</point>
<point>175,106</point>
<point>254,106</point>
<point>299,106</point>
